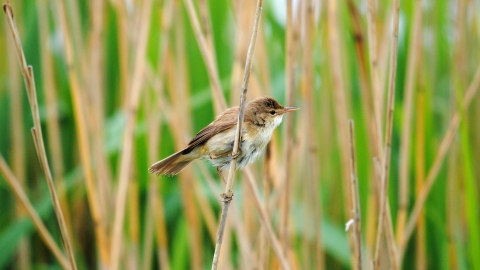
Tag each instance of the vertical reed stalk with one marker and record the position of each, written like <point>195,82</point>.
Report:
<point>264,246</point>
<point>452,207</point>
<point>29,80</point>
<point>437,162</point>
<point>340,101</point>
<point>18,146</point>
<point>128,140</point>
<point>357,232</point>
<point>182,124</point>
<point>388,135</point>
<point>366,95</point>
<point>415,47</point>
<point>288,128</point>
<point>21,195</point>
<point>419,179</point>
<point>156,198</point>
<point>123,47</point>
<point>82,134</point>
<point>313,185</point>
<point>209,58</point>
<point>374,76</point>
<point>236,147</point>
<point>276,245</point>
<point>376,100</point>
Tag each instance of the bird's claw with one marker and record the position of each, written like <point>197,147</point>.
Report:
<point>236,155</point>
<point>226,197</point>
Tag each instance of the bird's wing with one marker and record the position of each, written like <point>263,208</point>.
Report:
<point>225,121</point>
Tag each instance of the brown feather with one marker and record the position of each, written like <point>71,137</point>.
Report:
<point>223,122</point>
<point>172,165</point>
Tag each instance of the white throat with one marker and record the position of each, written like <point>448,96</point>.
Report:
<point>276,121</point>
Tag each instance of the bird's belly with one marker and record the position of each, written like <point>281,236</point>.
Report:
<point>220,149</point>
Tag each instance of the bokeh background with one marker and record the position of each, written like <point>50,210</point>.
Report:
<point>122,84</point>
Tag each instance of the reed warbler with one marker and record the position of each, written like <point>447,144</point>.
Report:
<point>215,141</point>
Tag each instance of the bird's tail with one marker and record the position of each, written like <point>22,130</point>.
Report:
<point>172,165</point>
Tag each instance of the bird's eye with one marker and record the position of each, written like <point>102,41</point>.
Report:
<point>272,112</point>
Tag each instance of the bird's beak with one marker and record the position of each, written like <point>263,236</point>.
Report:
<point>290,109</point>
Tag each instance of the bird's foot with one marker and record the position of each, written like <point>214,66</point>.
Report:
<point>236,155</point>
<point>226,197</point>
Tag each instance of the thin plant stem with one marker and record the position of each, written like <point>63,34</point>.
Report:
<point>366,95</point>
<point>264,247</point>
<point>388,134</point>
<point>357,232</point>
<point>452,206</point>
<point>276,245</point>
<point>123,46</point>
<point>29,80</point>
<point>236,146</point>
<point>178,71</point>
<point>127,144</point>
<point>374,80</point>
<point>437,162</point>
<point>21,195</point>
<point>84,145</point>
<point>376,100</point>
<point>420,147</point>
<point>17,153</point>
<point>340,102</point>
<point>166,12</point>
<point>404,163</point>
<point>288,128</point>
<point>206,47</point>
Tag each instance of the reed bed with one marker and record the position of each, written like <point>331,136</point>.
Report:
<point>119,85</point>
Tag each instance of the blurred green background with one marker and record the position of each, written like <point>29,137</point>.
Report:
<point>132,79</point>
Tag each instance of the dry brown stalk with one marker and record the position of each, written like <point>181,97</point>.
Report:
<point>182,123</point>
<point>53,128</point>
<point>388,139</point>
<point>308,86</point>
<point>82,134</point>
<point>127,144</point>
<point>153,137</point>
<point>340,102</point>
<point>276,245</point>
<point>17,152</point>
<point>236,146</point>
<point>29,80</point>
<point>21,195</point>
<point>166,12</point>
<point>376,100</point>
<point>419,180</point>
<point>206,26</point>
<point>355,200</point>
<point>390,238</point>
<point>404,166</point>
<point>264,247</point>
<point>288,129</point>
<point>123,46</point>
<point>235,221</point>
<point>148,233</point>
<point>243,16</point>
<point>209,58</point>
<point>367,100</point>
<point>437,162</point>
<point>156,197</point>
<point>374,77</point>
<point>96,92</point>
<point>246,248</point>
<point>452,206</point>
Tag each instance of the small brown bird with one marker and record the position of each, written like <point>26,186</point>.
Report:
<point>215,141</point>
